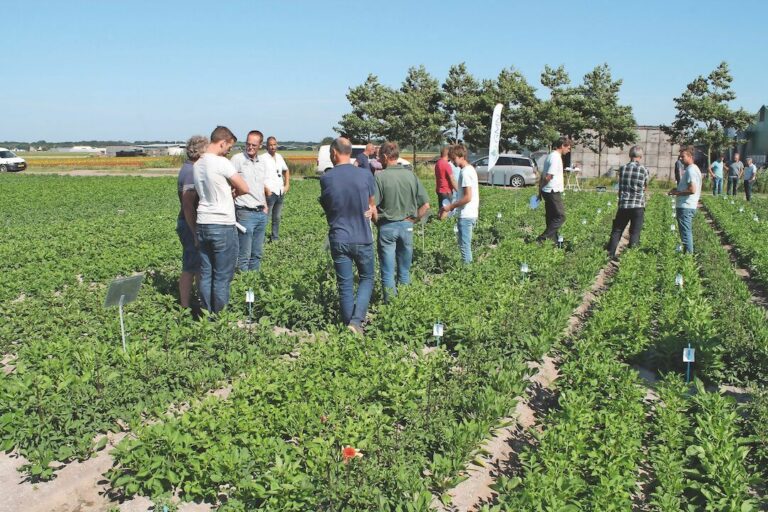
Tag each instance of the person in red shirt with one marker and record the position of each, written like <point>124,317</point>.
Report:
<point>445,184</point>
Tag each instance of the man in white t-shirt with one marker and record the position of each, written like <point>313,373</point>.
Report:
<point>216,182</point>
<point>687,192</point>
<point>551,188</point>
<point>278,182</point>
<point>467,205</point>
<point>251,209</point>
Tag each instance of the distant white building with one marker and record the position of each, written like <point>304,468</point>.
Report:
<point>81,149</point>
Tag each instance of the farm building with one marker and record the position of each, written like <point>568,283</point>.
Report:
<point>757,138</point>
<point>660,155</point>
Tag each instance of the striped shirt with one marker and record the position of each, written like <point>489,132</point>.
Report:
<point>632,182</point>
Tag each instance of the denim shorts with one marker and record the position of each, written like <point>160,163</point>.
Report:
<point>190,259</point>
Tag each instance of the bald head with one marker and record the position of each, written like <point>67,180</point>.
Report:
<point>341,151</point>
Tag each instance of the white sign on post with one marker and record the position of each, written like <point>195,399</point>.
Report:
<point>437,330</point>
<point>121,292</point>
<point>249,297</point>
<point>689,355</point>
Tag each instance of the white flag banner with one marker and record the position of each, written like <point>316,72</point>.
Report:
<point>493,146</point>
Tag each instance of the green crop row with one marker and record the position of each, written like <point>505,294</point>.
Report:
<point>742,324</point>
<point>744,225</point>
<point>590,453</point>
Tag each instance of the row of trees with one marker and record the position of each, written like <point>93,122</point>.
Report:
<point>423,112</point>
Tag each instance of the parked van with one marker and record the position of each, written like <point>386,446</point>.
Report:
<point>511,169</point>
<point>10,162</point>
<point>324,156</point>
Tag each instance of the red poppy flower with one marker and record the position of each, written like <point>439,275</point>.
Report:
<point>348,453</point>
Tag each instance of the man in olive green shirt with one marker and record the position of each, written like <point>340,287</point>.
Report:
<point>401,200</point>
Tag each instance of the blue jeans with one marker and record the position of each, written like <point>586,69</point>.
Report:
<point>353,308</point>
<point>465,238</point>
<point>685,225</point>
<point>275,203</point>
<point>218,253</point>
<point>252,241</point>
<point>717,186</point>
<point>733,181</point>
<point>190,256</point>
<point>395,244</point>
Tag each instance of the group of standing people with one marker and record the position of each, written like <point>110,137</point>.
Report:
<point>737,171</point>
<point>225,206</point>
<point>632,190</point>
<point>224,211</point>
<point>393,200</point>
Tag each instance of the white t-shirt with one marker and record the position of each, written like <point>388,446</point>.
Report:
<point>468,178</point>
<point>274,166</point>
<point>216,205</point>
<point>252,171</point>
<point>692,174</point>
<point>554,166</point>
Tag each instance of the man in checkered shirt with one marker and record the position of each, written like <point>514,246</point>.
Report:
<point>633,183</point>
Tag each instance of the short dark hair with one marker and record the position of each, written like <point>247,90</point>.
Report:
<point>221,133</point>
<point>457,150</point>
<point>342,146</point>
<point>563,141</point>
<point>271,137</point>
<point>688,149</point>
<point>255,132</point>
<point>389,151</point>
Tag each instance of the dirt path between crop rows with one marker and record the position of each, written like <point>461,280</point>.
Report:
<point>81,486</point>
<point>502,449</point>
<point>759,293</point>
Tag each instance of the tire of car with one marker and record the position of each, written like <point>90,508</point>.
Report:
<point>3,168</point>
<point>516,181</point>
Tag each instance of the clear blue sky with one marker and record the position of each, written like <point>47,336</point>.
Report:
<point>166,69</point>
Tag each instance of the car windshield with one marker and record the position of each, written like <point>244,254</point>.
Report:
<point>6,154</point>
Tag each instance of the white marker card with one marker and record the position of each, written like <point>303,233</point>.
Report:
<point>689,355</point>
<point>437,330</point>
<point>249,296</point>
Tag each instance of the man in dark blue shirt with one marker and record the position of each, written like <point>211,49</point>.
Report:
<point>364,159</point>
<point>347,196</point>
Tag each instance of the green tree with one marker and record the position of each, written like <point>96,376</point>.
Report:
<point>560,113</point>
<point>414,114</point>
<point>366,121</point>
<point>608,124</point>
<point>326,140</point>
<point>518,118</point>
<point>460,97</point>
<point>704,115</point>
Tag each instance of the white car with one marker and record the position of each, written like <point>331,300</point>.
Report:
<point>10,162</point>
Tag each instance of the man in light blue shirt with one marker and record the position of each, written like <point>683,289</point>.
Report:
<point>716,173</point>
<point>687,196</point>
<point>750,175</point>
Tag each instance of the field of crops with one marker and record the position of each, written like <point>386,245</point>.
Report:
<point>273,415</point>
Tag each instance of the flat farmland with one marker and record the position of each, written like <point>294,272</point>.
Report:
<point>271,415</point>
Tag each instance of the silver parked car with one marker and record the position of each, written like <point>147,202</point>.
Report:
<point>511,169</point>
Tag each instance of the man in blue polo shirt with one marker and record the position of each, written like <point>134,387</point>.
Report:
<point>716,173</point>
<point>347,196</point>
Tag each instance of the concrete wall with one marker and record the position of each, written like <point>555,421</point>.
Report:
<point>660,155</point>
